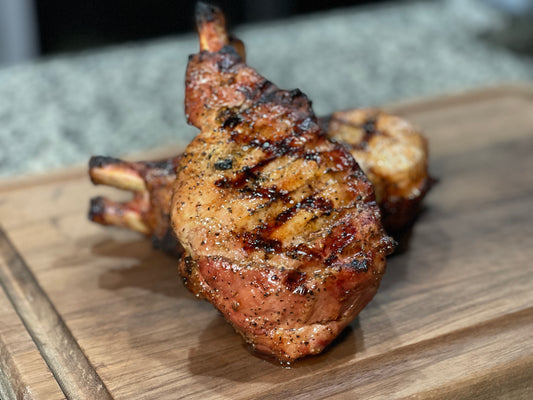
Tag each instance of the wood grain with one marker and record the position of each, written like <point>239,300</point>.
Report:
<point>453,317</point>
<point>70,367</point>
<point>23,372</point>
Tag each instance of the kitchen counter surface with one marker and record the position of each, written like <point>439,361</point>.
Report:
<point>125,99</point>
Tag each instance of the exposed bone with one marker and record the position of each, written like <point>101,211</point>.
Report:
<point>116,173</point>
<point>126,215</point>
<point>214,35</point>
<point>147,211</point>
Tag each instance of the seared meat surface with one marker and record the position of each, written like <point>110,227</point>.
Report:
<point>279,225</point>
<point>394,156</point>
<point>391,152</point>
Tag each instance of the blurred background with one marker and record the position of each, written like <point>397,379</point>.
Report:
<point>106,76</point>
<point>33,28</point>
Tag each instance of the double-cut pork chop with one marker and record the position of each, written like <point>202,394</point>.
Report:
<point>279,225</point>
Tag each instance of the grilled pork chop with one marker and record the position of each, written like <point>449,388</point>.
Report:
<point>279,225</point>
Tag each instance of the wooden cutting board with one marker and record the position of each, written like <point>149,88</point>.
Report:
<point>93,312</point>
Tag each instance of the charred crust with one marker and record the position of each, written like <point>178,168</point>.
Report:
<point>257,241</point>
<point>229,118</point>
<point>263,92</point>
<point>273,150</point>
<point>222,165</point>
<point>96,209</point>
<point>359,265</point>
<point>369,126</point>
<point>267,92</point>
<point>271,193</point>
<point>340,237</point>
<point>249,138</point>
<point>245,175</point>
<point>369,129</point>
<point>309,203</point>
<point>102,161</point>
<point>206,13</point>
<point>226,63</point>
<point>166,167</point>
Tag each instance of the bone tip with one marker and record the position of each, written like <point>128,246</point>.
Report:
<point>206,13</point>
<point>97,209</point>
<point>102,161</point>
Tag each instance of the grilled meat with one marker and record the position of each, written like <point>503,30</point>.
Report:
<point>391,151</point>
<point>279,225</point>
<point>273,249</point>
<point>394,156</point>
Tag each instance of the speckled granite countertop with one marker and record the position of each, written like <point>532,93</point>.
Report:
<point>60,111</point>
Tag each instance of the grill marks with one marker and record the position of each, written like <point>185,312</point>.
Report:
<point>229,118</point>
<point>343,235</point>
<point>261,237</point>
<point>300,142</point>
<point>289,145</point>
<point>257,240</point>
<point>310,203</point>
<point>368,127</point>
<point>245,175</point>
<point>250,180</point>
<point>336,240</point>
<point>281,124</point>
